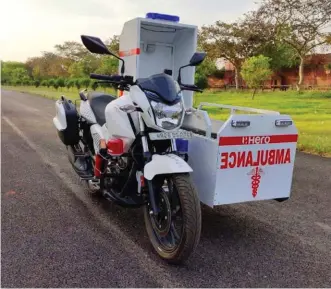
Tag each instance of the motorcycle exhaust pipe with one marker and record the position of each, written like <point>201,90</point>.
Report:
<point>101,159</point>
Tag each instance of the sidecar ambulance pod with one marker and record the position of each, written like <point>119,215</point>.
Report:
<point>149,46</point>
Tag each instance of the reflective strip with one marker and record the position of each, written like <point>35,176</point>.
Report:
<point>134,51</point>
<point>250,140</point>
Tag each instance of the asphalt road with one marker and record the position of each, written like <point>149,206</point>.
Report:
<point>54,234</point>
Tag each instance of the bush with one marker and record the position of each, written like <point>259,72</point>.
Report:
<point>85,82</point>
<point>37,83</point>
<point>94,85</point>
<point>77,83</point>
<point>26,81</point>
<point>201,81</point>
<point>60,82</point>
<point>51,83</point>
<point>44,83</point>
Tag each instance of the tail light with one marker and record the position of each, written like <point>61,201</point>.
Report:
<point>115,147</point>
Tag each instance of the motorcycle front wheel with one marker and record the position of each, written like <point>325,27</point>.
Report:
<point>175,231</point>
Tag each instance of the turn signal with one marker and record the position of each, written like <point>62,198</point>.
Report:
<point>115,147</point>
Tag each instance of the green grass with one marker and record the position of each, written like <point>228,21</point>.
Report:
<point>51,93</point>
<point>311,111</point>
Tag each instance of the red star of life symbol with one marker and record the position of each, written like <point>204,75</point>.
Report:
<point>256,179</point>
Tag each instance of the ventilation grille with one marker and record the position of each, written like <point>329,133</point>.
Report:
<point>96,140</point>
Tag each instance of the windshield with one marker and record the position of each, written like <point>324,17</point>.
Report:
<point>160,88</point>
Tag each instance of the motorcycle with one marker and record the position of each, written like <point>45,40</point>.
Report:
<point>132,151</point>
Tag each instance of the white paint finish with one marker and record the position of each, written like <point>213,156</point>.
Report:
<point>60,121</point>
<point>234,185</point>
<point>118,123</point>
<point>173,49</point>
<point>161,55</point>
<point>86,112</point>
<point>165,164</point>
<point>97,135</point>
<point>202,154</point>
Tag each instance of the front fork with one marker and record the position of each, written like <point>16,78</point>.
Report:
<point>148,156</point>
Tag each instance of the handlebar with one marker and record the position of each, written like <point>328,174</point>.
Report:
<point>190,87</point>
<point>114,78</point>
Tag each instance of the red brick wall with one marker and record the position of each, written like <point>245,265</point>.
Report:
<point>314,74</point>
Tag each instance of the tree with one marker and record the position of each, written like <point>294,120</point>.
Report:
<point>113,44</point>
<point>300,24</point>
<point>205,69</point>
<point>108,65</point>
<point>72,50</point>
<point>267,42</point>
<point>255,71</point>
<point>85,66</point>
<point>233,42</point>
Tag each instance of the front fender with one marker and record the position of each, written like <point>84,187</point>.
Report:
<point>165,164</point>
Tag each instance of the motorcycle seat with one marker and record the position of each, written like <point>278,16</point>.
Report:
<point>98,102</point>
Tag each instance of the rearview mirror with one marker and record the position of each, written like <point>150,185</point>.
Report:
<point>197,58</point>
<point>95,45</point>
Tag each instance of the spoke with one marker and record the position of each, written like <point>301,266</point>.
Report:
<point>174,231</point>
<point>172,238</point>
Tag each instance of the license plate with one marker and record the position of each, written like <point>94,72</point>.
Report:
<point>170,135</point>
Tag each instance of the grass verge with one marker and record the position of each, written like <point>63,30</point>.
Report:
<point>311,111</point>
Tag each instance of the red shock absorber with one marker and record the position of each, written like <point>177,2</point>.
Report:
<point>100,159</point>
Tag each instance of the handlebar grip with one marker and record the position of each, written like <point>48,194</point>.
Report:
<point>105,77</point>
<point>191,87</point>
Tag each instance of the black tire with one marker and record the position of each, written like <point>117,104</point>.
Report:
<point>191,219</point>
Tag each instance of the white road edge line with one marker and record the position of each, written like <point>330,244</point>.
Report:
<point>324,226</point>
<point>151,267</point>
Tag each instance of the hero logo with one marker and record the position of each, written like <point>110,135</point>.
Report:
<point>256,139</point>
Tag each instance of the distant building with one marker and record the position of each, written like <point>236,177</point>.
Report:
<point>315,74</point>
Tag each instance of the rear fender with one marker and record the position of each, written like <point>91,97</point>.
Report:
<point>165,164</point>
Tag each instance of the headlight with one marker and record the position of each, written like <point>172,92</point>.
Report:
<point>167,116</point>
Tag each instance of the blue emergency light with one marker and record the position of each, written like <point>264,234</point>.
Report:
<point>172,18</point>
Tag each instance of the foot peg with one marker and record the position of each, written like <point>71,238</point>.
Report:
<point>94,184</point>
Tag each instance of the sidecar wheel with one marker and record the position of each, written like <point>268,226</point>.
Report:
<point>175,233</point>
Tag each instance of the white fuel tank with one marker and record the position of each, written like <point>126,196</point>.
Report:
<point>118,123</point>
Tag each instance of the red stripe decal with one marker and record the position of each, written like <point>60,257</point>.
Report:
<point>134,51</point>
<point>250,140</point>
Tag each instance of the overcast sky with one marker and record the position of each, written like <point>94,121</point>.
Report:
<point>31,26</point>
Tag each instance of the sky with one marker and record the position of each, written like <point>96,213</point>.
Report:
<point>31,26</point>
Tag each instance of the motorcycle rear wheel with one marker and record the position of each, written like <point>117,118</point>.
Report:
<point>172,240</point>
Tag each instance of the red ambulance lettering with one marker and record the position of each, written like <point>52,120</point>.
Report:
<point>262,158</point>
